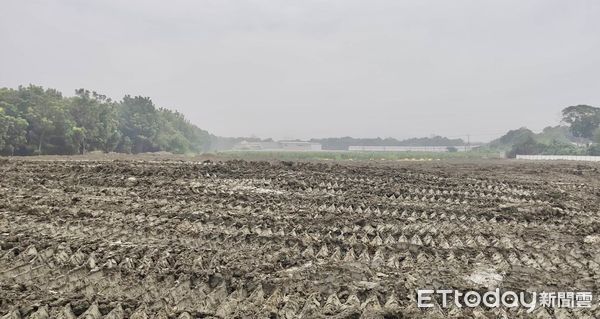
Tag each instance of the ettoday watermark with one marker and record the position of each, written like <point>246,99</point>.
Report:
<point>508,299</point>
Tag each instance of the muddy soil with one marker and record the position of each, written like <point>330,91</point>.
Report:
<point>180,239</point>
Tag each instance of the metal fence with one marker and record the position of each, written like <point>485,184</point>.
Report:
<point>559,158</point>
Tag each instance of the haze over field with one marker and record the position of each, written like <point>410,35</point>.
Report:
<point>299,159</point>
<point>307,69</point>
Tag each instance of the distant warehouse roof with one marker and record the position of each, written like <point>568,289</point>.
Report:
<point>409,148</point>
<point>300,145</point>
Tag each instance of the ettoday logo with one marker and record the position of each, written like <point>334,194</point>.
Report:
<point>509,299</point>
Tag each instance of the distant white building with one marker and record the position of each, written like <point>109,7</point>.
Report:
<point>299,146</point>
<point>438,149</point>
<point>277,146</point>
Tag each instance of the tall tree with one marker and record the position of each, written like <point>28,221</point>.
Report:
<point>97,121</point>
<point>45,111</point>
<point>139,122</point>
<point>13,133</point>
<point>583,120</point>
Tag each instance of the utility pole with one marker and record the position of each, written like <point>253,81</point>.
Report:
<point>468,142</point>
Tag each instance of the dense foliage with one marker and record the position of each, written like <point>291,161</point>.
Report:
<point>583,120</point>
<point>580,137</point>
<point>511,138</point>
<point>34,120</point>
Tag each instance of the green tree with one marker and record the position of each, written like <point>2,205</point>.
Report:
<point>139,122</point>
<point>13,131</point>
<point>583,120</point>
<point>125,145</point>
<point>557,147</point>
<point>528,146</point>
<point>45,111</point>
<point>512,138</point>
<point>77,137</point>
<point>97,120</point>
<point>596,136</point>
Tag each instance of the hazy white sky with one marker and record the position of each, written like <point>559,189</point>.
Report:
<point>317,68</point>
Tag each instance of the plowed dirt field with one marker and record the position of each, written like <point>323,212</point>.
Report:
<point>181,239</point>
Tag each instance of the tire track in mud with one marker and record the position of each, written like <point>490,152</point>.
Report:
<point>133,239</point>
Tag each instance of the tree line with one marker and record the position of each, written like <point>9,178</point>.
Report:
<point>38,121</point>
<point>579,134</point>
